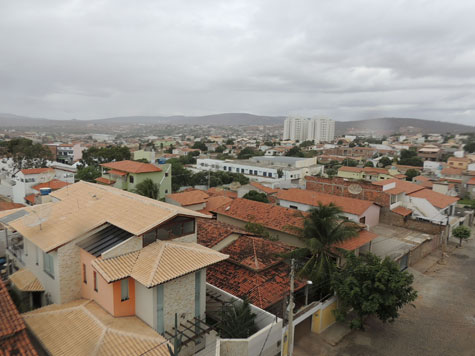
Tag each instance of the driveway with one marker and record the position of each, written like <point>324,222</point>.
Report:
<point>441,324</point>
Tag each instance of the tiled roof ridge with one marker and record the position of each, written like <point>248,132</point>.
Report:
<point>156,264</point>
<point>256,261</point>
<point>100,341</point>
<point>33,313</point>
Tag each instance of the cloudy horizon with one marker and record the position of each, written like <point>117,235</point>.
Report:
<point>349,59</point>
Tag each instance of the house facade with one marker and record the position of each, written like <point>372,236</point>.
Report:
<point>127,175</point>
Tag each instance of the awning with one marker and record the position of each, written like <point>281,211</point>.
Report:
<point>25,281</point>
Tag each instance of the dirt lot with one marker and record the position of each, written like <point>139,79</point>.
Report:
<point>442,324</point>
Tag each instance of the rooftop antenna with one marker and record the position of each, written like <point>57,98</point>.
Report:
<point>38,216</point>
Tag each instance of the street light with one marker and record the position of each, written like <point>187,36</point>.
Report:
<point>309,283</point>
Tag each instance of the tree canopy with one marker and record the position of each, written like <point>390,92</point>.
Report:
<point>369,164</point>
<point>461,232</point>
<point>256,196</point>
<point>25,153</point>
<point>371,286</point>
<point>148,188</point>
<point>249,152</point>
<point>200,145</point>
<point>95,156</point>
<point>411,173</point>
<point>295,152</point>
<point>88,174</point>
<point>409,158</point>
<point>237,321</point>
<point>385,161</point>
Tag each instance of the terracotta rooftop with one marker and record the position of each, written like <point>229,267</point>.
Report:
<point>83,328</point>
<point>222,192</point>
<point>309,197</point>
<point>26,281</point>
<point>85,206</point>
<point>263,188</point>
<point>105,181</point>
<point>459,159</point>
<point>116,172</point>
<point>54,184</point>
<point>452,171</point>
<point>255,253</point>
<point>31,198</point>
<point>364,236</point>
<point>13,337</point>
<point>190,197</point>
<point>271,216</point>
<point>351,169</point>
<point>36,170</point>
<point>438,200</point>
<point>471,181</point>
<point>217,201</point>
<point>5,205</point>
<point>159,262</point>
<point>132,167</point>
<point>401,186</point>
<point>402,211</point>
<point>210,231</point>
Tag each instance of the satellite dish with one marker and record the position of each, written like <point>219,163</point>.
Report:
<point>355,189</point>
<point>38,215</point>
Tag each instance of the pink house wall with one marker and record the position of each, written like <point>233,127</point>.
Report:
<point>105,292</point>
<point>372,215</point>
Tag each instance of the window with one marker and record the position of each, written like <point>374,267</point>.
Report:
<point>270,175</point>
<point>265,174</point>
<point>393,198</point>
<point>124,290</point>
<point>84,273</point>
<point>177,227</point>
<point>363,220</point>
<point>293,207</point>
<point>48,264</point>
<point>131,179</point>
<point>95,280</point>
<point>166,174</point>
<point>166,191</point>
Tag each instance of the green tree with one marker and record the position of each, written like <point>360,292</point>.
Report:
<point>200,145</point>
<point>280,173</point>
<point>385,161</point>
<point>249,152</point>
<point>220,149</point>
<point>461,232</point>
<point>324,227</point>
<point>25,153</point>
<point>229,141</point>
<point>411,174</point>
<point>371,286</point>
<point>256,196</point>
<point>307,143</point>
<point>148,188</point>
<point>369,164</point>
<point>294,152</point>
<point>88,174</point>
<point>469,147</point>
<point>257,229</point>
<point>95,156</point>
<point>237,321</point>
<point>350,162</point>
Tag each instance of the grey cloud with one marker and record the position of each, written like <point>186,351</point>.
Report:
<point>347,59</point>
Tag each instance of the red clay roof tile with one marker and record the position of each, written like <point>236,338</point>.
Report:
<point>54,184</point>
<point>132,166</point>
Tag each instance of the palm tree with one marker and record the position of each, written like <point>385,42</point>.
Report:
<point>324,227</point>
<point>148,188</point>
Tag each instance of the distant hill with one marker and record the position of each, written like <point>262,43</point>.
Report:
<point>380,126</point>
<point>227,119</point>
<point>390,125</point>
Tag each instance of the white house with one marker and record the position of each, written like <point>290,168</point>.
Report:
<point>26,179</point>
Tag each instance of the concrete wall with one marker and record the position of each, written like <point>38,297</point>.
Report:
<point>146,304</point>
<point>33,254</point>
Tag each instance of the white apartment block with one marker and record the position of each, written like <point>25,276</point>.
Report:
<point>316,129</point>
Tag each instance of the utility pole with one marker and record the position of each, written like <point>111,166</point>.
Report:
<point>290,328</point>
<point>209,179</point>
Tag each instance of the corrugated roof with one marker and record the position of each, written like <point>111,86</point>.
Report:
<point>26,281</point>
<point>85,206</point>
<point>104,240</point>
<point>83,328</point>
<point>159,262</point>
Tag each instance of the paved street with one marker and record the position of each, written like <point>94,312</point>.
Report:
<point>443,322</point>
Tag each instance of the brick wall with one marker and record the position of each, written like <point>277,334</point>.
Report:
<point>386,216</point>
<point>339,186</point>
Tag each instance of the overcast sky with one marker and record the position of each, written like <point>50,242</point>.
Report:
<point>345,59</point>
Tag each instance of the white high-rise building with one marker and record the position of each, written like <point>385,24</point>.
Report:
<point>321,130</point>
<point>317,129</point>
<point>296,128</point>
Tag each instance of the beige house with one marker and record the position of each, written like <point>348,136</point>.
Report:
<point>116,254</point>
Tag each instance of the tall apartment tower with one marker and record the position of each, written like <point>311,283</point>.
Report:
<point>296,129</point>
<point>315,129</point>
<point>321,130</point>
